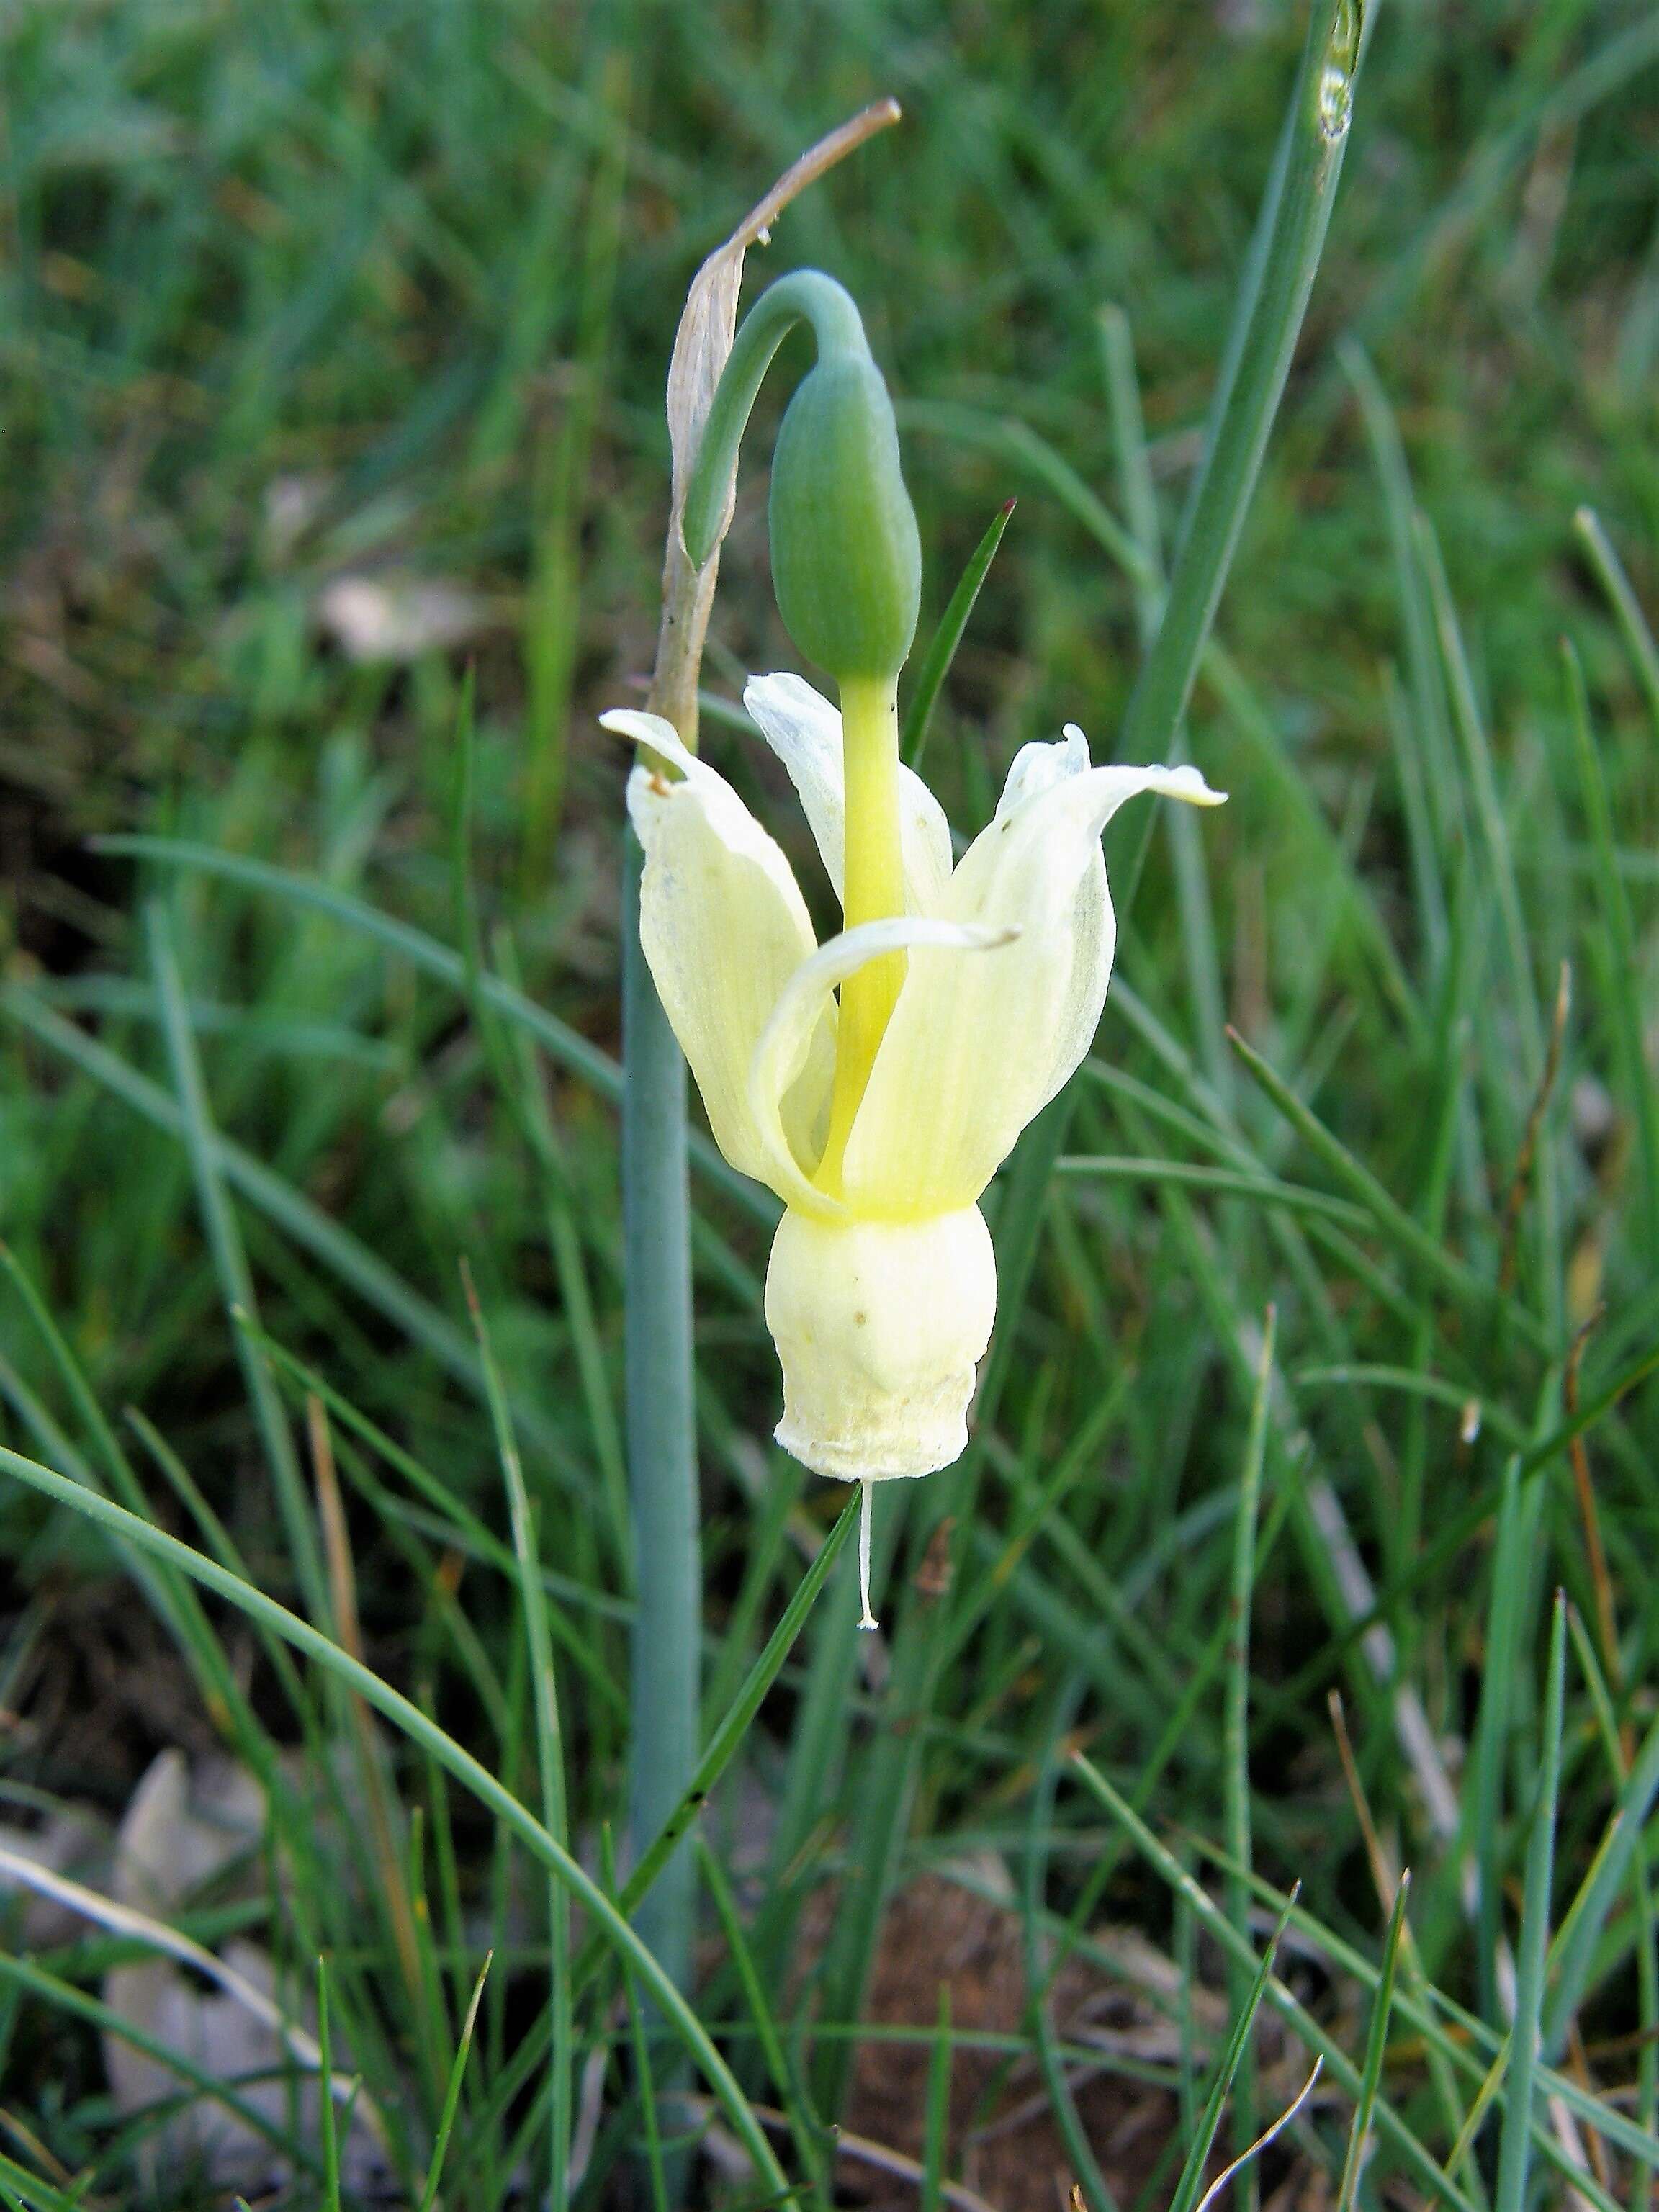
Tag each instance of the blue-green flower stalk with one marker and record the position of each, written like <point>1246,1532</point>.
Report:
<point>967,994</point>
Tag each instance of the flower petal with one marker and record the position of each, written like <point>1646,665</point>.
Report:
<point>788,1036</point>
<point>1036,769</point>
<point>724,927</point>
<point>976,1048</point>
<point>804,731</point>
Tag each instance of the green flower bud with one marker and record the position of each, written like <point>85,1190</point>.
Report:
<point>846,555</point>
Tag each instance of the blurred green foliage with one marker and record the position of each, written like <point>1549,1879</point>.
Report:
<point>315,317</point>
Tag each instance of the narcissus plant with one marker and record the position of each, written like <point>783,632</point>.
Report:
<point>876,1082</point>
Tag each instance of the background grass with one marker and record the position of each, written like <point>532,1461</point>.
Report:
<point>296,293</point>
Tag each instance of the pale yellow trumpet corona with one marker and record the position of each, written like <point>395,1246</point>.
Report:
<point>881,1292</point>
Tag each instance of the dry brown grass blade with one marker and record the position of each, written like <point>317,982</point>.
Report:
<point>45,2158</point>
<point>1528,1153</point>
<point>337,1546</point>
<point>342,1598</point>
<point>1385,1875</point>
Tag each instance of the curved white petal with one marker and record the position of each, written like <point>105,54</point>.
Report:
<point>804,731</point>
<point>1036,769</point>
<point>724,927</point>
<point>781,1054</point>
<point>655,731</point>
<point>975,1048</point>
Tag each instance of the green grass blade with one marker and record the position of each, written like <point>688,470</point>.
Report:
<point>1239,2040</point>
<point>561,491</point>
<point>1410,1382</point>
<point>1627,607</point>
<point>463,892</point>
<point>881,1805</point>
<point>1428,732</point>
<point>1553,106</point>
<point>1643,1940</point>
<point>562,1043</point>
<point>461,1525</point>
<point>1293,791</point>
<point>550,1752</point>
<point>1290,2009</point>
<point>307,1224</point>
<point>230,1264</point>
<point>1508,1622</point>
<point>817,1755</point>
<point>1137,492</point>
<point>1016,444</point>
<point>71,1373</point>
<point>29,2193</point>
<point>212,2089</point>
<point>645,2086</point>
<point>1469,1520</point>
<point>570,1263</point>
<point>942,651</point>
<point>1573,1953</point>
<point>1248,398</point>
<point>471,1773</point>
<point>174,1601</point>
<point>1236,1728</point>
<point>734,1727</point>
<point>220,1545</point>
<point>1376,2048</point>
<point>1515,2147</point>
<point>1095,2190</point>
<point>810,2139</point>
<point>1625,966</point>
<point>513,1063</point>
<point>1480,779</point>
<point>326,2115</point>
<point>936,2124</point>
<point>1466,2042</point>
<point>453,2091</point>
<point>1411,1238</point>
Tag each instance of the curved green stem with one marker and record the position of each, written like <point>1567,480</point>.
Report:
<point>808,297</point>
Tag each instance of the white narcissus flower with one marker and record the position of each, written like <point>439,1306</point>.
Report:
<point>882,1288</point>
